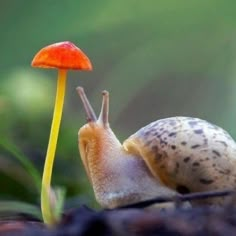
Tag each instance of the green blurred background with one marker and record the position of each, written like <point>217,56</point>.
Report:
<point>157,58</point>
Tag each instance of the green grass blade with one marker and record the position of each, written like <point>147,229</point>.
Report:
<point>25,162</point>
<point>7,207</point>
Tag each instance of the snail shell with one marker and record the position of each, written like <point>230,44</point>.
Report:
<point>187,155</point>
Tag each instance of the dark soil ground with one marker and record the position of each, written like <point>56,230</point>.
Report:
<point>134,220</point>
<point>84,221</point>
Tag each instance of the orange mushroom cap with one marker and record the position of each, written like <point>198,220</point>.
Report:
<point>63,55</point>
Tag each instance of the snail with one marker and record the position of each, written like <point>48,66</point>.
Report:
<point>168,156</point>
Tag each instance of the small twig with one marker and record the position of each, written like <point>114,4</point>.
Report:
<point>179,197</point>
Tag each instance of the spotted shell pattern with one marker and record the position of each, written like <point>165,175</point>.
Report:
<point>188,154</point>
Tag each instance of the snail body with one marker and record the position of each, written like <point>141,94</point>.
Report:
<point>177,154</point>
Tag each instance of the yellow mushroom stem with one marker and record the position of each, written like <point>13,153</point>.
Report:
<point>48,165</point>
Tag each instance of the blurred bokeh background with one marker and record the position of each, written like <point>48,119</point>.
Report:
<point>157,58</point>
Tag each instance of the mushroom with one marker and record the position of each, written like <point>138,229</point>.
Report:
<point>63,56</point>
